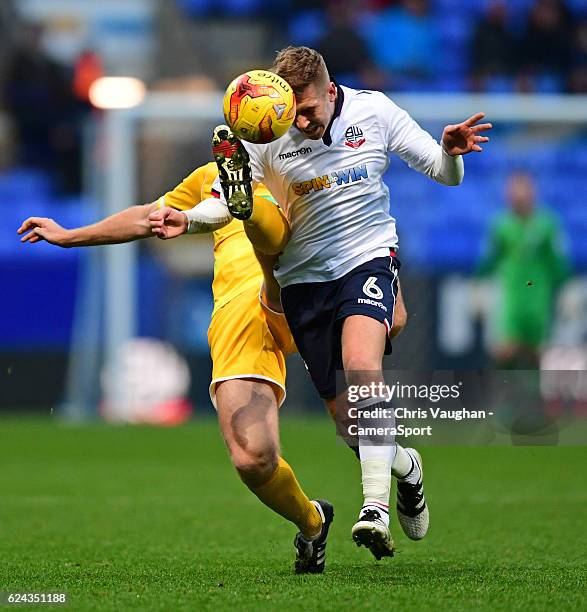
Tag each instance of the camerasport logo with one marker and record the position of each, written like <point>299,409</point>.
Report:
<point>353,137</point>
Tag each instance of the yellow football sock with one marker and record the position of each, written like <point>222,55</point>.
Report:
<point>283,494</point>
<point>267,229</point>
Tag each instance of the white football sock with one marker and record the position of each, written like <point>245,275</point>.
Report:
<point>376,462</point>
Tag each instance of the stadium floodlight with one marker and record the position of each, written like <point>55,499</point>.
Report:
<point>117,92</point>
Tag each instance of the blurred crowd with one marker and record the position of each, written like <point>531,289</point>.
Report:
<point>488,45</point>
<point>552,44</point>
<point>398,45</point>
<point>450,45</point>
<point>47,103</point>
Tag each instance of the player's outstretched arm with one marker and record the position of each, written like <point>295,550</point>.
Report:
<point>129,224</point>
<point>442,163</point>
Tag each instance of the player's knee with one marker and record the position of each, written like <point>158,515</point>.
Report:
<point>357,365</point>
<point>255,465</point>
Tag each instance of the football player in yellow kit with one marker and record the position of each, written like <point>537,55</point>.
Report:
<point>248,338</point>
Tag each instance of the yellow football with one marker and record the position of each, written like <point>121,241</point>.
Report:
<point>259,106</point>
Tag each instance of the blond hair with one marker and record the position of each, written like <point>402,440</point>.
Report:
<point>300,66</point>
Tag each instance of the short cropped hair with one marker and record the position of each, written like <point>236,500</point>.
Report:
<point>300,66</point>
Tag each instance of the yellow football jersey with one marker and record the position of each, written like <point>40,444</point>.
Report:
<point>236,268</point>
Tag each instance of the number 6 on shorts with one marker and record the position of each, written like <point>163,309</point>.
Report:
<point>370,288</point>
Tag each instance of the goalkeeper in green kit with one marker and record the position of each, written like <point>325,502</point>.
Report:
<point>525,254</point>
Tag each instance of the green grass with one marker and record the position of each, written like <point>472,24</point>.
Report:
<point>155,519</point>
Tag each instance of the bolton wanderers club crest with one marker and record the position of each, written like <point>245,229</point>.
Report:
<point>353,137</point>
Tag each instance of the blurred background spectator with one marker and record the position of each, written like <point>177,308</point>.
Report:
<point>39,97</point>
<point>403,42</point>
<point>525,253</point>
<point>578,75</point>
<point>8,20</point>
<point>87,69</point>
<point>345,49</point>
<point>493,47</point>
<point>545,47</point>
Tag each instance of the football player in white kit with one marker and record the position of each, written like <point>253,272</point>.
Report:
<point>338,273</point>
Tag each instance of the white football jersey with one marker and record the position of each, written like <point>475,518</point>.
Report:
<point>332,190</point>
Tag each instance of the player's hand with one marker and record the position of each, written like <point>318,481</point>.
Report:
<point>168,223</point>
<point>464,137</point>
<point>41,228</point>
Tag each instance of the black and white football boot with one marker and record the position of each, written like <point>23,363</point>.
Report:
<point>311,554</point>
<point>235,173</point>
<point>412,511</point>
<point>372,532</point>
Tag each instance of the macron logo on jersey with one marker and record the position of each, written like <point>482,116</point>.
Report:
<point>290,154</point>
<point>334,179</point>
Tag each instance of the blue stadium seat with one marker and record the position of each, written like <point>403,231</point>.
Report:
<point>195,8</point>
<point>578,247</point>
<point>306,27</point>
<point>19,184</point>
<point>242,7</point>
<point>562,191</point>
<point>572,157</point>
<point>471,7</point>
<point>548,83</point>
<point>451,82</point>
<point>454,245</point>
<point>227,8</point>
<point>578,6</point>
<point>69,212</point>
<point>499,84</point>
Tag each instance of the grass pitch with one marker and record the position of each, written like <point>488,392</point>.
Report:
<point>155,519</point>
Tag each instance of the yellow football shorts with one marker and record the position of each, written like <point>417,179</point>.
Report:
<point>248,340</point>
